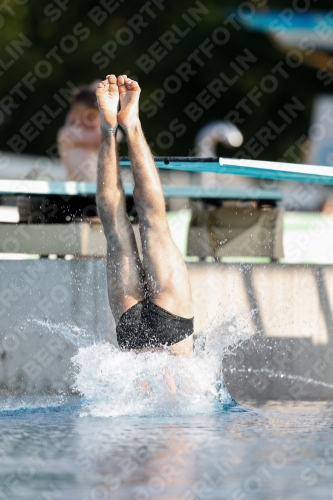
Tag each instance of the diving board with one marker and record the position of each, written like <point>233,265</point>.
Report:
<point>70,188</point>
<point>28,187</point>
<point>291,28</point>
<point>275,20</point>
<point>277,171</point>
<point>249,168</point>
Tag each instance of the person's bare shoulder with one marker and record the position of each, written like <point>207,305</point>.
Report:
<point>61,135</point>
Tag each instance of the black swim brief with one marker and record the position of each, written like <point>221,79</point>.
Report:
<point>146,325</point>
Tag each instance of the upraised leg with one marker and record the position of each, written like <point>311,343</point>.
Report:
<point>165,270</point>
<point>124,269</point>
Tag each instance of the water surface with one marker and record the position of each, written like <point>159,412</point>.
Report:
<point>275,451</point>
<point>154,426</point>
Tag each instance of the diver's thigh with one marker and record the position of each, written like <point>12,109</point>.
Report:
<point>166,274</point>
<point>125,279</point>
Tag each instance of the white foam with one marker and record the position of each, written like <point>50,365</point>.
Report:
<point>114,382</point>
<point>149,383</point>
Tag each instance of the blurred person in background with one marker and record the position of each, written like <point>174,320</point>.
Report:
<point>79,139</point>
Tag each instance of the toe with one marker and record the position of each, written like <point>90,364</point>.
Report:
<point>112,79</point>
<point>133,85</point>
<point>120,80</point>
<point>102,85</point>
<point>127,81</point>
<point>121,84</point>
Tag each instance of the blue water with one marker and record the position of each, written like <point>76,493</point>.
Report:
<point>277,451</point>
<point>155,426</point>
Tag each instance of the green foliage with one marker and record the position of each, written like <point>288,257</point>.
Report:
<point>47,29</point>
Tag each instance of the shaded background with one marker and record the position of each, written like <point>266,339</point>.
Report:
<point>46,25</point>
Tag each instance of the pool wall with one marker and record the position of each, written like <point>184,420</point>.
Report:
<point>284,312</point>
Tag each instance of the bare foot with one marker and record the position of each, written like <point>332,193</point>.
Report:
<point>129,93</point>
<point>108,101</point>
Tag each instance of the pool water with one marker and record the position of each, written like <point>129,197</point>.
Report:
<point>275,451</point>
<point>154,426</point>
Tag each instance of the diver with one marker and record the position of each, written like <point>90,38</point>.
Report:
<point>151,300</point>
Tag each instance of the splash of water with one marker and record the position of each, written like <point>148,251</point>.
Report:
<point>149,383</point>
<point>114,382</point>
<point>278,374</point>
<point>77,336</point>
